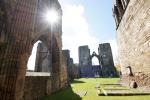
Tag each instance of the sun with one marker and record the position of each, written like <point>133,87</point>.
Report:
<point>51,16</point>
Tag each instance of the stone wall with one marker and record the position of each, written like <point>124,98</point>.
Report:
<point>20,27</point>
<point>106,57</point>
<point>133,36</point>
<point>72,70</point>
<point>75,71</point>
<point>63,73</point>
<point>66,54</point>
<point>106,65</point>
<point>105,54</point>
<point>37,85</point>
<point>43,59</point>
<point>84,56</point>
<point>85,61</point>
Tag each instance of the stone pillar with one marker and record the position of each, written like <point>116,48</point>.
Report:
<point>38,59</point>
<point>15,47</point>
<point>13,68</point>
<point>56,65</point>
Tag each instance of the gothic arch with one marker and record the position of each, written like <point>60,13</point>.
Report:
<point>94,55</point>
<point>21,37</point>
<point>97,56</point>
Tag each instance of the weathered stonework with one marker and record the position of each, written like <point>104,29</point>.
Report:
<point>72,70</point>
<point>85,61</point>
<point>37,85</point>
<point>75,71</point>
<point>63,73</point>
<point>106,65</point>
<point>133,34</point>
<point>106,57</point>
<point>43,59</point>
<point>22,25</point>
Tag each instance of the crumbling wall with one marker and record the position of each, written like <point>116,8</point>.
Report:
<point>21,26</point>
<point>63,73</point>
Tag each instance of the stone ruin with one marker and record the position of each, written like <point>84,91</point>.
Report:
<point>106,65</point>
<point>21,25</point>
<point>72,69</point>
<point>133,35</point>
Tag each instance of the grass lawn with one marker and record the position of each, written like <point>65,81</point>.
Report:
<point>88,85</point>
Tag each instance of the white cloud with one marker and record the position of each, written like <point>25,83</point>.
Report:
<point>76,30</point>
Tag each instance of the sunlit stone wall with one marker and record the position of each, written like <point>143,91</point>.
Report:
<point>133,35</point>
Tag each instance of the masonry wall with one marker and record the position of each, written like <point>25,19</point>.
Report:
<point>106,57</point>
<point>84,55</point>
<point>85,62</point>
<point>37,85</point>
<point>63,73</point>
<point>106,54</point>
<point>134,37</point>
<point>35,89</point>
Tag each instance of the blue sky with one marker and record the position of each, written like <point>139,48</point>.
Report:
<point>85,22</point>
<point>99,16</point>
<point>95,25</point>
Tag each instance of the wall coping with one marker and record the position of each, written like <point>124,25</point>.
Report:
<point>37,74</point>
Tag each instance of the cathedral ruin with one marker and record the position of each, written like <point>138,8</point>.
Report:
<point>22,25</point>
<point>106,65</point>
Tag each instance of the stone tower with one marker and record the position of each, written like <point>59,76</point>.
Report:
<point>106,58</point>
<point>105,53</point>
<point>66,54</point>
<point>85,62</point>
<point>84,55</point>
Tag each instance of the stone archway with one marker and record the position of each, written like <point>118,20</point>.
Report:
<point>99,70</point>
<point>20,19</point>
<point>97,56</point>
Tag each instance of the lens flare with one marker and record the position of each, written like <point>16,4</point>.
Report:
<point>51,16</point>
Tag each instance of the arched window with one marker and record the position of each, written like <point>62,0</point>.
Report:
<point>95,61</point>
<point>32,58</point>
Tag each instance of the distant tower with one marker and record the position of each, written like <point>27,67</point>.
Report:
<point>85,62</point>
<point>84,55</point>
<point>106,57</point>
<point>67,56</point>
<point>70,63</point>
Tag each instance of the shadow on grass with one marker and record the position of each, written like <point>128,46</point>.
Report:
<point>77,81</point>
<point>65,94</point>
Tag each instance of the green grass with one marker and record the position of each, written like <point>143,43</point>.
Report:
<point>89,86</point>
